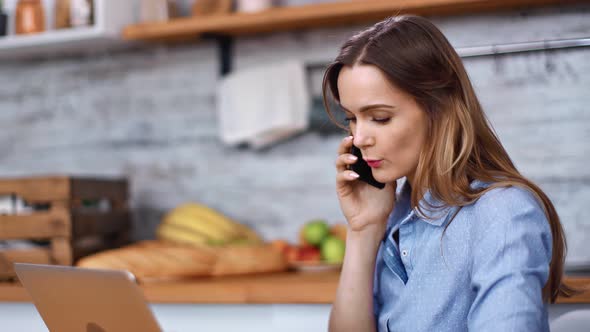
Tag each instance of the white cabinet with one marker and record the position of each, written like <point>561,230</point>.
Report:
<point>110,17</point>
<point>220,317</point>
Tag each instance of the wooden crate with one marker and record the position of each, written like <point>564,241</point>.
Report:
<point>71,228</point>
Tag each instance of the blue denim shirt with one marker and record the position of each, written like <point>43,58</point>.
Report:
<point>485,274</point>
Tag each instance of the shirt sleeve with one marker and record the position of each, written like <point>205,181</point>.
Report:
<point>510,263</point>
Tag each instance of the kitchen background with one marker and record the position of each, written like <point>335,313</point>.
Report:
<point>149,113</point>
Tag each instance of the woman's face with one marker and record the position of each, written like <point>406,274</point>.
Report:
<point>387,124</point>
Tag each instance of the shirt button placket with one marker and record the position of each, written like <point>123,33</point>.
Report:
<point>405,250</point>
<point>405,224</point>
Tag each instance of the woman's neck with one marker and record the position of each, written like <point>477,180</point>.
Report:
<point>410,177</point>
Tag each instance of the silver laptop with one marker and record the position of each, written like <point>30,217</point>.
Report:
<point>72,299</point>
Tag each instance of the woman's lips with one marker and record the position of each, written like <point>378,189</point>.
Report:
<point>374,163</point>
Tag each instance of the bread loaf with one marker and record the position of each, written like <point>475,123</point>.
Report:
<point>162,260</point>
<point>234,260</point>
<point>153,259</point>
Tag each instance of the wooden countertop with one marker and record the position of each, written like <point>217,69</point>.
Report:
<point>288,287</point>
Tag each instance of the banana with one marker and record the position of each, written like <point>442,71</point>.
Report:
<point>205,212</point>
<point>205,225</point>
<point>198,218</point>
<point>180,234</point>
<point>242,231</point>
<point>202,227</point>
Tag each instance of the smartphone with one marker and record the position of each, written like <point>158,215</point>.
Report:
<point>363,169</point>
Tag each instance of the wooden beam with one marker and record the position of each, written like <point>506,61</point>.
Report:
<point>317,16</point>
<point>32,255</point>
<point>41,225</point>
<point>37,189</point>
<point>88,188</point>
<point>44,189</point>
<point>99,223</point>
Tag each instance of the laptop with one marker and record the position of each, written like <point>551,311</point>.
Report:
<point>73,299</point>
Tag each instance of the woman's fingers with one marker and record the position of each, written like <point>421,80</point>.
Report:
<point>346,176</point>
<point>344,160</point>
<point>345,145</point>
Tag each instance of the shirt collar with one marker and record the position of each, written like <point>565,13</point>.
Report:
<point>435,212</point>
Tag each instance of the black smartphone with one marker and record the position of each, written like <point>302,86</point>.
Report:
<point>363,169</point>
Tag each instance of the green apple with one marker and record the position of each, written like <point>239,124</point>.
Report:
<point>332,250</point>
<point>315,231</point>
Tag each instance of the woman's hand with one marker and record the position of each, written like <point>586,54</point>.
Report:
<point>362,204</point>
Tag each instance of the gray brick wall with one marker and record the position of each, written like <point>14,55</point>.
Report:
<point>149,114</point>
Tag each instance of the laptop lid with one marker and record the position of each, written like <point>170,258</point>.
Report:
<point>72,299</point>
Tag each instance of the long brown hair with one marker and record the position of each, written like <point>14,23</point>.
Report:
<point>461,146</point>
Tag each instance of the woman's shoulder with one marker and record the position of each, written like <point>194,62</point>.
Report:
<point>509,222</point>
<point>507,197</point>
<point>506,208</point>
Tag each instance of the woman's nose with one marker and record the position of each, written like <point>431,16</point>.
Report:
<point>362,139</point>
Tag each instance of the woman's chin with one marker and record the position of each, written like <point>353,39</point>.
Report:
<point>384,178</point>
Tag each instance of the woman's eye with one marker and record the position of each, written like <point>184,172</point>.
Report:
<point>381,120</point>
<point>350,119</point>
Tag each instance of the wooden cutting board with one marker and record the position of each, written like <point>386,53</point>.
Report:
<point>287,287</point>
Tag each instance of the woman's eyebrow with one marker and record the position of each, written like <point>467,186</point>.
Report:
<point>368,107</point>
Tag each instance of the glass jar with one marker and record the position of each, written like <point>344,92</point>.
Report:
<point>29,17</point>
<point>81,13</point>
<point>62,14</point>
<point>251,6</point>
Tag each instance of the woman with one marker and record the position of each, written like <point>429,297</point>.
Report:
<point>467,243</point>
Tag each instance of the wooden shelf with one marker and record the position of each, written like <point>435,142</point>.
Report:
<point>314,16</point>
<point>287,287</point>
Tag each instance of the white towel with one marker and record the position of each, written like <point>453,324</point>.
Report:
<point>261,106</point>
